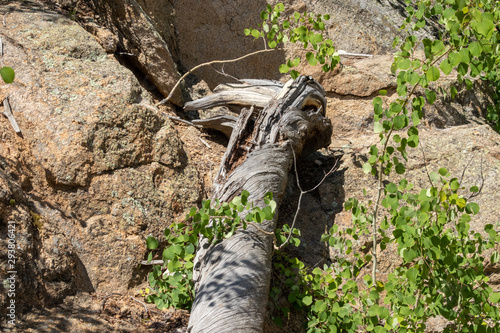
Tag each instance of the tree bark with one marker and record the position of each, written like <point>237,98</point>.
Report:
<point>232,278</point>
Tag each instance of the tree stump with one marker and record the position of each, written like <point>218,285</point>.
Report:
<point>277,123</point>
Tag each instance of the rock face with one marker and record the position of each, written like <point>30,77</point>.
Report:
<point>142,43</point>
<point>201,31</point>
<point>93,172</point>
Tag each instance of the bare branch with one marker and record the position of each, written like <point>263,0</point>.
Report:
<point>482,182</point>
<point>144,305</point>
<point>425,166</point>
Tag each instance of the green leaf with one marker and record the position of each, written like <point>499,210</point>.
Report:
<point>472,207</point>
<point>307,300</point>
<point>462,68</point>
<point>400,169</point>
<point>484,28</point>
<point>432,74</point>
<point>190,249</point>
<point>296,62</point>
<point>404,64</point>
<point>391,188</point>
<point>284,68</point>
<point>367,168</point>
<point>431,96</point>
<point>378,127</point>
<point>413,78</point>
<point>400,121</point>
<point>311,58</point>
<point>7,74</point>
<point>474,189</point>
<point>495,297</point>
<point>151,243</point>
<point>255,33</point>
<point>446,66</point>
<point>475,48</point>
<point>316,38</point>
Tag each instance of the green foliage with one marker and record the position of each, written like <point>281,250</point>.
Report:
<point>171,283</point>
<point>7,74</point>
<point>493,111</point>
<point>304,28</point>
<point>440,272</point>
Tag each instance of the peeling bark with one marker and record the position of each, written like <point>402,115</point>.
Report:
<point>232,278</point>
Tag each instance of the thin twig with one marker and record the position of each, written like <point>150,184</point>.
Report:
<point>154,108</point>
<point>425,166</point>
<point>144,305</point>
<point>152,262</point>
<point>205,143</point>
<point>344,53</point>
<point>207,64</point>
<point>259,229</point>
<point>221,72</point>
<point>105,298</point>
<point>465,168</point>
<point>8,113</point>
<point>3,21</point>
<point>302,192</point>
<point>1,48</point>
<point>482,182</point>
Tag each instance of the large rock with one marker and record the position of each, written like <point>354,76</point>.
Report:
<point>145,47</point>
<point>200,31</point>
<point>93,171</point>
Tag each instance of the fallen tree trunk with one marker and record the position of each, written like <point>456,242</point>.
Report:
<point>232,278</point>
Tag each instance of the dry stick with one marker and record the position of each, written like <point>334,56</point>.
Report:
<point>425,166</point>
<point>206,64</point>
<point>8,113</point>
<point>465,168</point>
<point>482,182</point>
<point>144,305</point>
<point>302,192</point>
<point>205,143</point>
<point>105,298</point>
<point>221,72</point>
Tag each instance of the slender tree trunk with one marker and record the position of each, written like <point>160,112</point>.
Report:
<point>232,277</point>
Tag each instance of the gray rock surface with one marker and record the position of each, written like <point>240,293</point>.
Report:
<point>93,172</point>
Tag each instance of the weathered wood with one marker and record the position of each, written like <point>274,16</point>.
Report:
<point>8,113</point>
<point>221,123</point>
<point>232,278</point>
<point>265,87</point>
<point>239,97</point>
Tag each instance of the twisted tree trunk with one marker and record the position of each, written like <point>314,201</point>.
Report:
<point>232,277</point>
